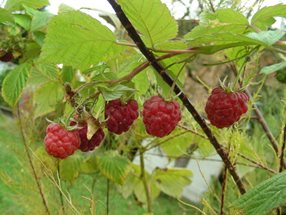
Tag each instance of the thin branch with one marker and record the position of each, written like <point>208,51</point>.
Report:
<point>162,72</point>
<point>282,150</point>
<point>223,189</point>
<point>37,180</point>
<point>60,193</point>
<point>107,196</point>
<point>144,180</point>
<point>256,163</point>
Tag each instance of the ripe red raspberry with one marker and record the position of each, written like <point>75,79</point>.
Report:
<point>60,142</point>
<point>120,116</point>
<point>89,145</point>
<point>223,108</point>
<point>7,57</point>
<point>160,117</point>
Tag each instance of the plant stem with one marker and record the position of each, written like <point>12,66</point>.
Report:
<point>256,163</point>
<point>282,150</point>
<point>223,188</point>
<point>60,193</point>
<point>31,163</point>
<point>107,195</point>
<point>143,178</point>
<point>162,72</point>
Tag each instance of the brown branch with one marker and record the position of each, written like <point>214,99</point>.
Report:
<point>37,180</point>
<point>162,72</point>
<point>223,189</point>
<point>282,150</point>
<point>264,124</point>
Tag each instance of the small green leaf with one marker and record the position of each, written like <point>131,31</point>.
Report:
<point>264,197</point>
<point>78,40</point>
<point>18,4</point>
<point>152,19</point>
<point>14,83</point>
<point>67,73</point>
<point>70,168</point>
<point>40,20</point>
<point>116,92</point>
<point>172,181</point>
<point>264,18</point>
<point>113,166</point>
<point>273,68</point>
<point>43,101</point>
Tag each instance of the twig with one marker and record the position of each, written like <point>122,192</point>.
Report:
<point>144,180</point>
<point>31,163</point>
<point>256,163</point>
<point>107,195</point>
<point>162,72</point>
<point>223,188</point>
<point>282,150</point>
<point>60,193</point>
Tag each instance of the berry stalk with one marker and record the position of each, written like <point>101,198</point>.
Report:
<point>162,72</point>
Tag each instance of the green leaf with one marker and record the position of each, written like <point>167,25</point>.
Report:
<point>14,83</point>
<point>268,38</point>
<point>264,18</point>
<point>152,19</point>
<point>42,74</point>
<point>134,184</point>
<point>23,20</point>
<point>5,16</point>
<point>177,143</point>
<point>273,68</point>
<point>32,50</point>
<point>78,40</point>
<point>70,168</point>
<point>264,197</point>
<point>39,37</point>
<point>113,166</point>
<point>172,181</point>
<point>223,16</point>
<point>44,102</point>
<point>18,4</point>
<point>44,163</point>
<point>40,20</point>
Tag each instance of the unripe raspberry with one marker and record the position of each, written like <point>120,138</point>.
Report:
<point>120,116</point>
<point>60,142</point>
<point>225,108</point>
<point>89,145</point>
<point>160,117</point>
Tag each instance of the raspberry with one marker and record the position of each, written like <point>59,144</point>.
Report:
<point>7,57</point>
<point>60,142</point>
<point>89,145</point>
<point>120,116</point>
<point>223,108</point>
<point>160,117</point>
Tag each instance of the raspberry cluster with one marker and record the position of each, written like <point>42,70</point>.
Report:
<point>225,108</point>
<point>62,143</point>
